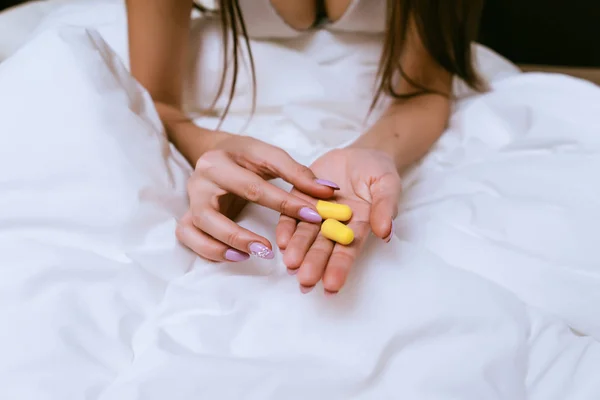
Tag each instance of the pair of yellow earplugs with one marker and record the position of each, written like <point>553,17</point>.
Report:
<point>332,228</point>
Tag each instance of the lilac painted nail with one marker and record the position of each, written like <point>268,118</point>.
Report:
<point>327,183</point>
<point>261,251</point>
<point>330,294</point>
<point>309,215</point>
<point>305,289</point>
<point>236,256</point>
<point>292,271</point>
<point>387,239</point>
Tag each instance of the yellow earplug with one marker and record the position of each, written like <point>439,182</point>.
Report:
<point>338,232</point>
<point>327,210</point>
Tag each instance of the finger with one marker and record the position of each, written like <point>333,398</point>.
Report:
<point>287,226</point>
<point>284,231</point>
<point>313,266</point>
<point>299,244</point>
<point>224,230</point>
<point>343,258</point>
<point>205,246</point>
<point>385,194</point>
<point>281,164</point>
<point>235,179</point>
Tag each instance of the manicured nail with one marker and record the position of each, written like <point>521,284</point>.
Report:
<point>236,256</point>
<point>306,289</point>
<point>330,294</point>
<point>309,215</point>
<point>327,183</point>
<point>387,239</point>
<point>292,271</point>
<point>261,251</point>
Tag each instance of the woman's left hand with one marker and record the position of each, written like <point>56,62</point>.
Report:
<point>370,185</point>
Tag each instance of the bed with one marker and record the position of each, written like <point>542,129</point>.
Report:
<point>489,289</point>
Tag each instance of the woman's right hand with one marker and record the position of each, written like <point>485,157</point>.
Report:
<point>236,169</point>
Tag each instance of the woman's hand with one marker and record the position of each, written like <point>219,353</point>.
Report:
<point>234,171</point>
<point>370,185</point>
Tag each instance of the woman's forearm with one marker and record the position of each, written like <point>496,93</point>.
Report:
<point>412,125</point>
<point>408,129</point>
<point>158,33</point>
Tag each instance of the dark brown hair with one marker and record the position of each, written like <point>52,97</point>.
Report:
<point>446,29</point>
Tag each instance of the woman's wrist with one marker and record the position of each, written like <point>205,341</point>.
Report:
<point>408,130</point>
<point>382,141</point>
<point>191,140</point>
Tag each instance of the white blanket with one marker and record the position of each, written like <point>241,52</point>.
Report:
<point>494,255</point>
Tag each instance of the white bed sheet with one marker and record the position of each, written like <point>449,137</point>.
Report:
<point>493,260</point>
<point>17,23</point>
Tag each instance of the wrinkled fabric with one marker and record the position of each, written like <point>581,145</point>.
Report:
<point>491,268</point>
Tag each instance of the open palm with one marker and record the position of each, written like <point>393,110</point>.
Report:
<point>370,185</point>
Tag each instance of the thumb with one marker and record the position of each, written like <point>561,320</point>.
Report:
<point>301,177</point>
<point>385,195</point>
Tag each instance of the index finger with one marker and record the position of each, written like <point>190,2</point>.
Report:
<point>282,165</point>
<point>248,185</point>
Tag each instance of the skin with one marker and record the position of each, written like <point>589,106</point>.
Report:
<point>368,171</point>
<point>369,184</point>
<point>335,9</point>
<point>299,15</point>
<point>158,42</point>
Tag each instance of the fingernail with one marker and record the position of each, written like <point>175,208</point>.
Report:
<point>387,239</point>
<point>330,294</point>
<point>261,251</point>
<point>292,271</point>
<point>310,215</point>
<point>306,289</point>
<point>327,183</point>
<point>236,256</point>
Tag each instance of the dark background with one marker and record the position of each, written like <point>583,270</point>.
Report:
<point>550,32</point>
